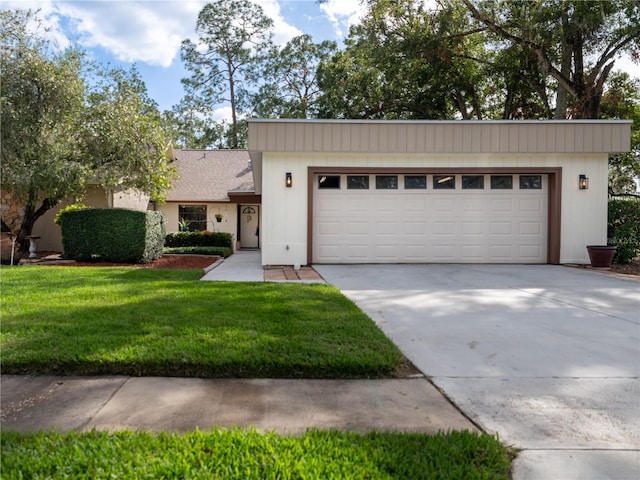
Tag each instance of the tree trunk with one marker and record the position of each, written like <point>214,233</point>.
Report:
<point>562,95</point>
<point>31,215</point>
<point>234,117</point>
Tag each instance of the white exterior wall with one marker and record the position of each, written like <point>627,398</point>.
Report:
<point>229,213</point>
<point>583,212</point>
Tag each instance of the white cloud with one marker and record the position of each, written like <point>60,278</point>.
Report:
<point>283,32</point>
<point>343,13</point>
<point>222,113</point>
<point>135,31</point>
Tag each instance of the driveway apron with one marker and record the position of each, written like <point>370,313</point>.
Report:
<point>547,357</point>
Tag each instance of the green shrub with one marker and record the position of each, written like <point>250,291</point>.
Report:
<point>199,239</point>
<point>624,228</point>
<point>112,235</point>
<point>68,208</point>
<point>221,251</point>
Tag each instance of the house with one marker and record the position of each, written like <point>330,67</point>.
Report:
<point>50,236</point>
<point>215,192</point>
<point>360,191</point>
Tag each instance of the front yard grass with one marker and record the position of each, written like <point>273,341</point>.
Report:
<point>247,454</point>
<point>146,322</point>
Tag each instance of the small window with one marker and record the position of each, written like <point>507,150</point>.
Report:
<point>386,182</point>
<point>358,182</point>
<point>472,182</point>
<point>329,181</point>
<point>530,182</point>
<point>192,217</point>
<point>501,182</point>
<point>415,182</point>
<point>444,182</point>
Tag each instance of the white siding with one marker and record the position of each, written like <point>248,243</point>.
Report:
<point>583,212</point>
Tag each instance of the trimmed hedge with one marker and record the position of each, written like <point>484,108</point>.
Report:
<point>199,239</point>
<point>624,228</point>
<point>112,235</point>
<point>221,251</point>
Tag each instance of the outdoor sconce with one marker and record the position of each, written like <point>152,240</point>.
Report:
<point>288,181</point>
<point>583,182</point>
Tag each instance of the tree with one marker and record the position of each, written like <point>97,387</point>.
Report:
<point>405,61</point>
<point>59,132</point>
<point>234,36</point>
<point>575,42</point>
<point>189,127</point>
<point>291,89</point>
<point>621,100</point>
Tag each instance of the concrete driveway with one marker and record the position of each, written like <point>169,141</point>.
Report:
<point>546,356</point>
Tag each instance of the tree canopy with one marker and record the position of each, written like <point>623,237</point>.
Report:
<point>66,123</point>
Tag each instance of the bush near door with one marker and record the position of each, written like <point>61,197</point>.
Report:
<point>199,239</point>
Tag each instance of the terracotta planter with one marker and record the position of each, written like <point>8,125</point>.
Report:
<point>601,255</point>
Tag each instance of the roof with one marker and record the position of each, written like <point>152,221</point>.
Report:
<point>208,175</point>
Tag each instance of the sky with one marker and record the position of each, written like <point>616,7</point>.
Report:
<point>148,33</point>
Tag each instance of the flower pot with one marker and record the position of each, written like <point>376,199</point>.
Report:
<point>218,219</point>
<point>601,256</point>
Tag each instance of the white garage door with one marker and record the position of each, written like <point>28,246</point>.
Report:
<point>430,218</point>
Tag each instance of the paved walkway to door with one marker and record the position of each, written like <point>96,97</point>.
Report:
<point>245,266</point>
<point>546,356</point>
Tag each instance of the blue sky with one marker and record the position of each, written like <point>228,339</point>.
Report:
<point>149,32</point>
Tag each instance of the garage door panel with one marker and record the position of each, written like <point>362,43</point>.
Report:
<point>529,251</point>
<point>444,228</point>
<point>415,228</point>
<point>430,225</point>
<point>358,228</point>
<point>500,228</point>
<point>501,205</point>
<point>444,205</point>
<point>530,228</point>
<point>330,228</point>
<point>501,252</point>
<point>531,205</point>
<point>472,228</point>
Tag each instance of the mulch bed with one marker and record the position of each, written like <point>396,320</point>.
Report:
<point>166,261</point>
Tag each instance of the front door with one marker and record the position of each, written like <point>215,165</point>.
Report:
<point>249,226</point>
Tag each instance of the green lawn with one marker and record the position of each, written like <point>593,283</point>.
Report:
<point>246,455</point>
<point>134,321</point>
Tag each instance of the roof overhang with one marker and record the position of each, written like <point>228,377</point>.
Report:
<point>244,197</point>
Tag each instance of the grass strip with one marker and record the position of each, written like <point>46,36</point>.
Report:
<point>247,454</point>
<point>148,322</point>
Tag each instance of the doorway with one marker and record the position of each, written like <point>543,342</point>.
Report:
<point>249,226</point>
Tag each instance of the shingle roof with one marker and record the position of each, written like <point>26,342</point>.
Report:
<point>207,175</point>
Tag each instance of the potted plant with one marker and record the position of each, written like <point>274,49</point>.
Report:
<point>184,225</point>
<point>601,256</point>
<point>218,217</point>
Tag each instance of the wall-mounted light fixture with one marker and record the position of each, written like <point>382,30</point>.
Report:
<point>583,182</point>
<point>289,180</point>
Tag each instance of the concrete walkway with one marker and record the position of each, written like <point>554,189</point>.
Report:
<point>182,404</point>
<point>546,356</point>
<point>242,266</point>
<point>245,266</point>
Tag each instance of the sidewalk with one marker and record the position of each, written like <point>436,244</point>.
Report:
<point>182,404</point>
